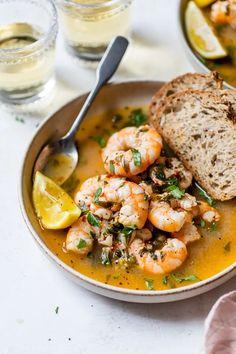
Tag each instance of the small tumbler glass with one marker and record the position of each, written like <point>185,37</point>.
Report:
<point>28,30</point>
<point>89,25</point>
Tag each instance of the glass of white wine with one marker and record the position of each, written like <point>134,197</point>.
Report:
<point>89,25</point>
<point>28,30</point>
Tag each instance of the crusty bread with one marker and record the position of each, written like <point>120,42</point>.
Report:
<point>195,81</point>
<point>200,127</point>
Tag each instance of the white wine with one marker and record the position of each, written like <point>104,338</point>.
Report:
<point>89,27</point>
<point>25,65</point>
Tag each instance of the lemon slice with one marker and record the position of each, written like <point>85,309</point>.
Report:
<point>201,35</point>
<point>204,3</point>
<point>54,207</point>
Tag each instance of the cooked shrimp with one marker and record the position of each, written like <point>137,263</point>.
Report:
<point>131,150</point>
<point>79,239</point>
<point>208,213</point>
<point>224,12</point>
<point>187,202</point>
<point>145,234</point>
<point>126,200</point>
<point>166,218</point>
<point>171,256</point>
<point>187,234</point>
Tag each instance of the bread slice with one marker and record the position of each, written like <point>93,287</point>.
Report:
<point>200,127</point>
<point>195,81</point>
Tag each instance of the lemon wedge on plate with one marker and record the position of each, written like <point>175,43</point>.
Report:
<point>54,207</point>
<point>201,35</point>
<point>204,3</point>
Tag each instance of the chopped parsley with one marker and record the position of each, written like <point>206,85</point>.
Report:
<point>100,140</point>
<point>105,259</point>
<point>112,168</point>
<point>93,220</point>
<point>127,231</point>
<point>149,283</point>
<point>165,280</point>
<point>82,243</point>
<point>159,172</point>
<point>137,118</point>
<point>179,278</point>
<point>97,195</point>
<point>136,157</point>
<point>204,194</point>
<point>202,223</point>
<point>175,191</point>
<point>213,226</point>
<point>227,247</point>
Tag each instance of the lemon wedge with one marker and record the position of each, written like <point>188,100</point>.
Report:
<point>54,207</point>
<point>201,35</point>
<point>203,3</point>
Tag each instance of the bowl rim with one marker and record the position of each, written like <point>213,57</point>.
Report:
<point>186,44</point>
<point>77,274</point>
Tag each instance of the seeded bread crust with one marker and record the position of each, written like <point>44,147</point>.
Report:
<point>195,81</point>
<point>200,127</point>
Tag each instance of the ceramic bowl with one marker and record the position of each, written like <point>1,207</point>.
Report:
<point>122,94</point>
<point>194,59</point>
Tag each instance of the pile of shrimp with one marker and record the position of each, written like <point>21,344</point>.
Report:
<point>224,12</point>
<point>139,212</point>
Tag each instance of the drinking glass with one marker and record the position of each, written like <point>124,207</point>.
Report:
<point>89,25</point>
<point>28,30</point>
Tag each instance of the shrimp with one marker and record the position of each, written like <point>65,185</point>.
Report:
<point>224,12</point>
<point>187,234</point>
<point>187,202</point>
<point>126,200</point>
<point>208,213</point>
<point>131,150</point>
<point>166,218</point>
<point>79,239</point>
<point>171,256</point>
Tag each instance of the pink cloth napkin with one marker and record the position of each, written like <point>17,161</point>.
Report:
<point>220,326</point>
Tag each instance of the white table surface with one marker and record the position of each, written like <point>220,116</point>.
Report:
<point>32,288</point>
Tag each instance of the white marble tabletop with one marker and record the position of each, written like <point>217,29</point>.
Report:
<point>32,288</point>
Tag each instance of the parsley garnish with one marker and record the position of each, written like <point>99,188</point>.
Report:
<point>213,226</point>
<point>204,194</point>
<point>93,220</point>
<point>112,168</point>
<point>227,247</point>
<point>136,157</point>
<point>202,223</point>
<point>82,243</point>
<point>165,280</point>
<point>179,278</point>
<point>127,231</point>
<point>149,283</point>
<point>100,140</point>
<point>159,172</point>
<point>105,259</point>
<point>97,195</point>
<point>175,191</point>
<point>137,118</point>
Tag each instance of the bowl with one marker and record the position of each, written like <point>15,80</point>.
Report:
<point>121,94</point>
<point>194,59</point>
